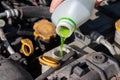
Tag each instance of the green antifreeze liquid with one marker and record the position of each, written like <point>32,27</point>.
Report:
<point>63,32</point>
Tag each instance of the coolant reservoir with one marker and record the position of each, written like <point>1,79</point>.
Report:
<point>70,14</point>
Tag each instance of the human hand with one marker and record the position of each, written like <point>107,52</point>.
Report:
<point>56,3</point>
<point>98,2</point>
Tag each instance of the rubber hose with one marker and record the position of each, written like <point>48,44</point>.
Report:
<point>3,15</point>
<point>25,33</point>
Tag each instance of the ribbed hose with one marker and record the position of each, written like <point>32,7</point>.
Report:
<point>6,43</point>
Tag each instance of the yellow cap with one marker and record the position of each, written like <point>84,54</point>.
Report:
<point>117,25</point>
<point>27,47</point>
<point>48,61</point>
<point>44,30</point>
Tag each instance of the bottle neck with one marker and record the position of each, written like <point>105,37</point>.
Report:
<point>65,27</point>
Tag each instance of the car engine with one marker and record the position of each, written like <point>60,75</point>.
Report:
<point>29,44</point>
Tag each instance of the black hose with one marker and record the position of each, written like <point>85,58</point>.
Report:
<point>33,11</point>
<point>3,15</point>
<point>25,33</point>
<point>28,12</point>
<point>51,70</point>
<point>45,2</point>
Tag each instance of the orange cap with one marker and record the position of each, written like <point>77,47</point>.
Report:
<point>117,25</point>
<point>44,29</point>
<point>48,61</point>
<point>27,47</point>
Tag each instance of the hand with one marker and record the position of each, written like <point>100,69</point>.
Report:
<point>98,2</point>
<point>56,3</point>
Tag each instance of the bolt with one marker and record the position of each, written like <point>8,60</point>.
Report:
<point>98,58</point>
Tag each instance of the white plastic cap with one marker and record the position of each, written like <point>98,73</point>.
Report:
<point>66,24</point>
<point>2,23</point>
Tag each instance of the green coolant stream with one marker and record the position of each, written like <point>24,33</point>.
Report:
<point>62,39</point>
<point>63,32</point>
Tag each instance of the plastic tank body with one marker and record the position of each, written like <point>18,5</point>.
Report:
<point>72,13</point>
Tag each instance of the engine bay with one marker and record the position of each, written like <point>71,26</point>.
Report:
<point>29,45</point>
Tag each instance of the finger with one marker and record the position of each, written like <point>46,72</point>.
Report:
<point>54,4</point>
<point>98,2</point>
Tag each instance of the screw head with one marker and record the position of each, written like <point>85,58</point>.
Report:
<point>99,58</point>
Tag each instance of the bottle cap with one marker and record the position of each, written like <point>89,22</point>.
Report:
<point>48,61</point>
<point>2,23</point>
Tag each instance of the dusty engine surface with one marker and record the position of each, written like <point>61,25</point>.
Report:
<point>28,41</point>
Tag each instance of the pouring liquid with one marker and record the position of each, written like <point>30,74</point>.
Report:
<point>64,32</point>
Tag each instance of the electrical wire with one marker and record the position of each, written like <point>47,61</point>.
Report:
<point>6,43</point>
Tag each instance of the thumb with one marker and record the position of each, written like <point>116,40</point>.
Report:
<point>99,1</point>
<point>54,4</point>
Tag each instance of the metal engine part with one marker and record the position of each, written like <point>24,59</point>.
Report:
<point>87,58</point>
<point>93,66</point>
